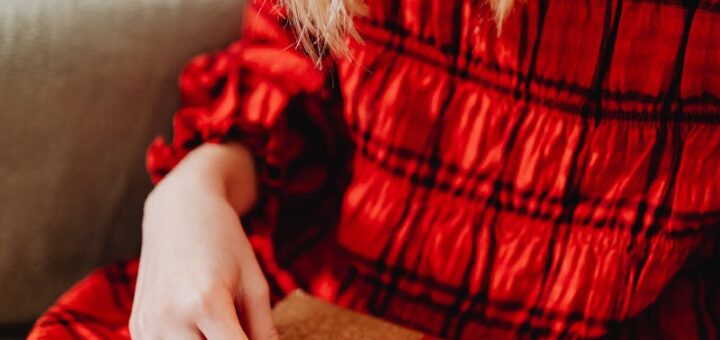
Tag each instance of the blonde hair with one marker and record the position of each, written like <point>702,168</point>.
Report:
<point>322,25</point>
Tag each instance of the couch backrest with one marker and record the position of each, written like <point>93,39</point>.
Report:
<point>84,86</point>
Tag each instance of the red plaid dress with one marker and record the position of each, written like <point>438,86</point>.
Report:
<point>556,180</point>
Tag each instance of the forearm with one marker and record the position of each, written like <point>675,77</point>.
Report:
<point>216,169</point>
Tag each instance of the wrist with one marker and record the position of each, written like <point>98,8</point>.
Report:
<point>181,186</point>
<point>212,170</point>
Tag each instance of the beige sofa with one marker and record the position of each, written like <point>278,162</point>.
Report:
<point>84,86</point>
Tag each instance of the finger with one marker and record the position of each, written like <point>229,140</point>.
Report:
<point>183,333</point>
<point>144,325</point>
<point>253,300</point>
<point>168,331</point>
<point>221,321</point>
<point>257,313</point>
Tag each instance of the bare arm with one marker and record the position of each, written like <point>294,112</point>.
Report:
<point>198,275</point>
<point>226,170</point>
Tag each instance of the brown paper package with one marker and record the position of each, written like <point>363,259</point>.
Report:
<point>301,316</point>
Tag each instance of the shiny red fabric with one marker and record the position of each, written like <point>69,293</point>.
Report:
<point>557,179</point>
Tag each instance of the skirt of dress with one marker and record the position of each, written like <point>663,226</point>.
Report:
<point>99,306</point>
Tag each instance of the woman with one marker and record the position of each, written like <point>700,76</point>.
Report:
<point>538,169</point>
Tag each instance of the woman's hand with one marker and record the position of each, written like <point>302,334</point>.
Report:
<point>198,275</point>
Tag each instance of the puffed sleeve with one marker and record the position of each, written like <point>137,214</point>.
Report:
<point>264,93</point>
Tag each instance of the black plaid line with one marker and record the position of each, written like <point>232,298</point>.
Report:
<point>413,278</point>
<point>543,208</point>
<point>495,197</point>
<point>116,277</point>
<point>86,319</point>
<point>646,115</point>
<point>536,314</point>
<point>53,318</point>
<point>542,201</point>
<point>674,96</point>
<point>559,85</point>
<point>66,316</point>
<point>377,297</point>
<point>432,143</point>
<point>707,5</point>
<point>561,228</point>
<point>659,147</point>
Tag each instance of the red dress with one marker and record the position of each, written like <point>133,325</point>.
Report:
<point>556,180</point>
